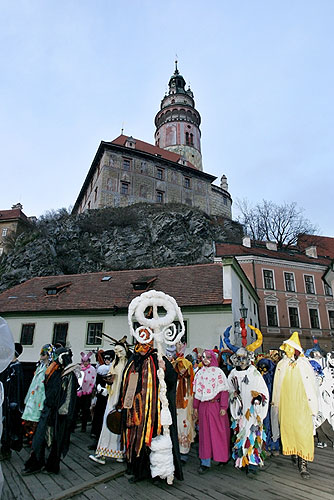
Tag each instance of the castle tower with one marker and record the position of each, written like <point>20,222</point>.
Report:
<point>177,123</point>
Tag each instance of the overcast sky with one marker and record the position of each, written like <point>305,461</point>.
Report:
<point>72,72</point>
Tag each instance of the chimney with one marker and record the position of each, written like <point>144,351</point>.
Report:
<point>271,245</point>
<point>246,242</point>
<point>223,182</point>
<point>311,252</point>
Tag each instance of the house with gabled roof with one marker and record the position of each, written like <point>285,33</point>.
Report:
<point>77,309</point>
<point>289,282</point>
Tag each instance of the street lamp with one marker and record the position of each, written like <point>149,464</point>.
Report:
<point>243,312</point>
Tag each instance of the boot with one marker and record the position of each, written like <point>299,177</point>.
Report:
<point>302,465</point>
<point>294,459</point>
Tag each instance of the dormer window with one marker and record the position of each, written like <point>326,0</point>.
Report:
<point>130,143</point>
<point>56,289</point>
<point>143,283</point>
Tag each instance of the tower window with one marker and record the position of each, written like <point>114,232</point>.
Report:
<point>124,188</point>
<point>126,164</point>
<point>160,197</point>
<point>160,174</point>
<point>187,139</point>
<point>191,139</point>
<point>187,182</point>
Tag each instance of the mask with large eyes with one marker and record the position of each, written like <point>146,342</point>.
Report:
<point>263,369</point>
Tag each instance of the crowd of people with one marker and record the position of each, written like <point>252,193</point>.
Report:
<point>238,404</point>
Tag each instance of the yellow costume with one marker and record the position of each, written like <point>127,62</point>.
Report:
<point>295,401</point>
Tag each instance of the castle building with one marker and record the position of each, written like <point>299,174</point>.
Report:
<point>127,170</point>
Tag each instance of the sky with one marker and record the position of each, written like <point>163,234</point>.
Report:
<point>74,72</point>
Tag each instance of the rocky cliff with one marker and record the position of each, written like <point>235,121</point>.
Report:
<point>136,237</point>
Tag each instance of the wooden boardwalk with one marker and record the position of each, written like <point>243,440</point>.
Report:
<point>82,479</point>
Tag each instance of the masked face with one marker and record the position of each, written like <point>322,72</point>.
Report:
<point>206,359</point>
<point>262,369</point>
<point>143,348</point>
<point>288,349</point>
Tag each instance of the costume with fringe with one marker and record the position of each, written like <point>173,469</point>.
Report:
<point>249,399</point>
<point>142,422</point>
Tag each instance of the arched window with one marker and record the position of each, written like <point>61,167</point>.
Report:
<point>187,138</point>
<point>191,139</point>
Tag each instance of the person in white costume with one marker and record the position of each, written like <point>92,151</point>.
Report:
<point>109,444</point>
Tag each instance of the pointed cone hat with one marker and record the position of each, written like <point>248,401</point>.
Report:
<point>294,342</point>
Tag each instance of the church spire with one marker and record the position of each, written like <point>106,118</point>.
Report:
<point>177,123</point>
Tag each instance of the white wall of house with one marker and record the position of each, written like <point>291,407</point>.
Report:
<point>204,329</point>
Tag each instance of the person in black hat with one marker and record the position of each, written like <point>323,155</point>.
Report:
<point>12,380</point>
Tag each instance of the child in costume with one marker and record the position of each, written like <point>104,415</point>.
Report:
<point>267,369</point>
<point>210,407</point>
<point>84,394</point>
<point>295,402</point>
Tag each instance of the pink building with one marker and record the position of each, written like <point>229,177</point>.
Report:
<point>293,295</point>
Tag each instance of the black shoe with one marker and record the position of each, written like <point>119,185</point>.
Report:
<point>92,446</point>
<point>203,469</point>
<point>30,470</point>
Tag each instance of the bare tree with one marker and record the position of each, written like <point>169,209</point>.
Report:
<point>268,221</point>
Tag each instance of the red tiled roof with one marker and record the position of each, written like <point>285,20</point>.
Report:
<point>227,249</point>
<point>190,286</point>
<point>150,148</point>
<point>324,244</point>
<point>14,213</point>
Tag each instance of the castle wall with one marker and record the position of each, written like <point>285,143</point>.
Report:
<point>220,202</point>
<point>125,179</point>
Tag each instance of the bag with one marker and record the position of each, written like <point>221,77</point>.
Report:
<point>114,421</point>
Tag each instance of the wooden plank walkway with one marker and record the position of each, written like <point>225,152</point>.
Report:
<point>82,479</point>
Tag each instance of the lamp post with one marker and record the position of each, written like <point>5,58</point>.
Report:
<point>243,313</point>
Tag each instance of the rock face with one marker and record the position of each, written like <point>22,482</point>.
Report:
<point>136,237</point>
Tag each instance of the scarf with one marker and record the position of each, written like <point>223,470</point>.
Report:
<point>209,380</point>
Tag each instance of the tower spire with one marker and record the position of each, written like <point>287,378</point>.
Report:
<point>178,121</point>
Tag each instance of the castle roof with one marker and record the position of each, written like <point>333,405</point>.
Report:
<point>196,285</point>
<point>146,147</point>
